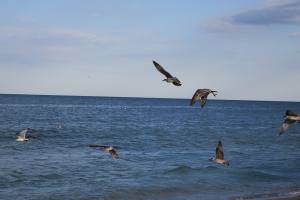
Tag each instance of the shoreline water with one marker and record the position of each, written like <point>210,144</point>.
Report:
<point>289,194</point>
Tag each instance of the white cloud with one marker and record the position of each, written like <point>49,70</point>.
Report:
<point>296,34</point>
<point>21,45</point>
<point>57,34</point>
<point>271,12</point>
<point>25,19</point>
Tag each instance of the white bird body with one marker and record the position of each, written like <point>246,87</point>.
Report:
<point>219,161</point>
<point>19,139</point>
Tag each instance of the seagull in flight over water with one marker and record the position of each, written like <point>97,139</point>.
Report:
<point>202,94</point>
<point>108,149</point>
<point>219,157</point>
<point>21,137</point>
<point>289,118</point>
<point>169,77</point>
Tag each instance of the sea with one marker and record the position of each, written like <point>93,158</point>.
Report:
<point>164,146</point>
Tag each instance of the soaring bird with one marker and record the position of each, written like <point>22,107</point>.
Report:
<point>289,118</point>
<point>108,149</point>
<point>21,137</point>
<point>169,77</point>
<point>202,94</point>
<point>219,158</point>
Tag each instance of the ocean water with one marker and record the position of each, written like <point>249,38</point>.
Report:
<point>163,144</point>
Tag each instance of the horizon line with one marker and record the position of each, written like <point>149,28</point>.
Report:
<point>137,97</point>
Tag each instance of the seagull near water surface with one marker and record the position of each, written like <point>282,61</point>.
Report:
<point>219,157</point>
<point>169,77</point>
<point>21,137</point>
<point>108,149</point>
<point>202,94</point>
<point>289,118</point>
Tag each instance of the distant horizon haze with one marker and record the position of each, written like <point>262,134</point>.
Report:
<point>140,97</point>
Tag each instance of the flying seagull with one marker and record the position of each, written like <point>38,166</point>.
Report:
<point>169,77</point>
<point>219,158</point>
<point>289,118</point>
<point>21,137</point>
<point>202,94</point>
<point>108,149</point>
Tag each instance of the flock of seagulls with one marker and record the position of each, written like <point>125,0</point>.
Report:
<point>201,95</point>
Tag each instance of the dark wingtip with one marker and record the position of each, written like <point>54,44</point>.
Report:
<point>177,84</point>
<point>93,145</point>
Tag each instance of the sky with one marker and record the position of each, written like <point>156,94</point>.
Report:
<point>246,50</point>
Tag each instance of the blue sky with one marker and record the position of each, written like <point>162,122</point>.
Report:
<point>244,49</point>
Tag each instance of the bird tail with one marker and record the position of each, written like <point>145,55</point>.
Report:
<point>226,163</point>
<point>213,92</point>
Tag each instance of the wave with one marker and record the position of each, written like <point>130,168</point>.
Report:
<point>251,173</point>
<point>285,194</point>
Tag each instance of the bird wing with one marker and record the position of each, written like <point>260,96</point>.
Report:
<point>219,152</point>
<point>285,125</point>
<point>194,98</point>
<point>96,145</point>
<point>290,113</point>
<point>114,154</point>
<point>103,147</point>
<point>198,94</point>
<point>22,134</point>
<point>162,70</point>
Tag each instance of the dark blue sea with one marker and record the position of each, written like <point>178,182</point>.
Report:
<point>163,144</point>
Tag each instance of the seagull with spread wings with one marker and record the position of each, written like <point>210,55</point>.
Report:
<point>219,157</point>
<point>289,118</point>
<point>202,94</point>
<point>108,149</point>
<point>169,77</point>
